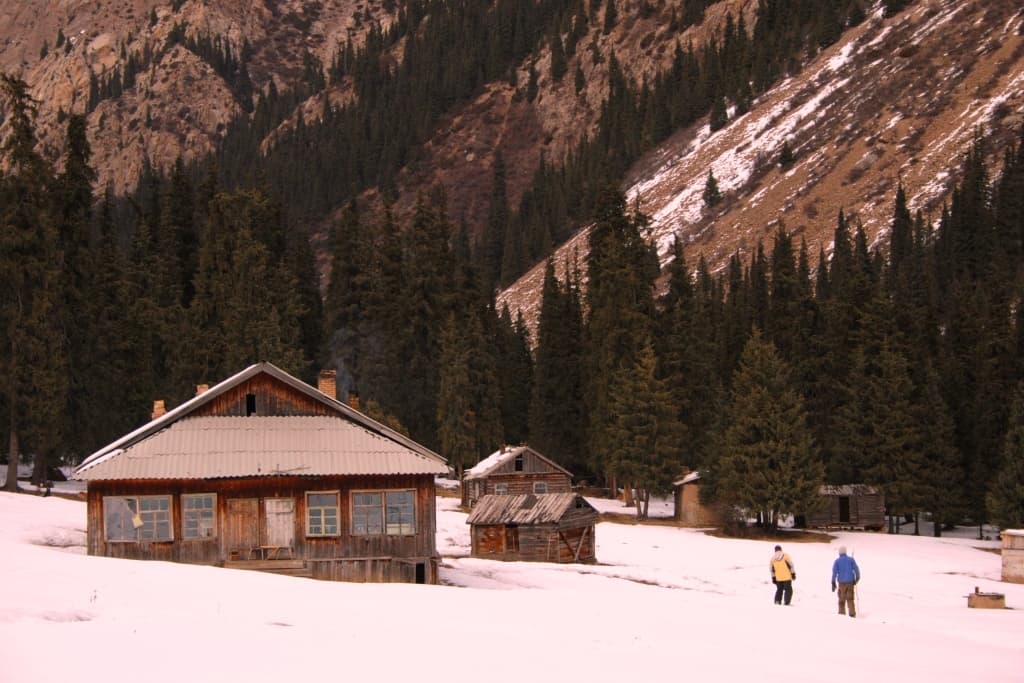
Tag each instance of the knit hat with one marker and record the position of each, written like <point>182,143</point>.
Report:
<point>842,550</point>
<point>778,547</point>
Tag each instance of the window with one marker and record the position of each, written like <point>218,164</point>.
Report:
<point>250,404</point>
<point>518,464</point>
<point>198,513</point>
<point>384,512</point>
<point>501,489</point>
<point>540,487</point>
<point>137,518</point>
<point>322,513</point>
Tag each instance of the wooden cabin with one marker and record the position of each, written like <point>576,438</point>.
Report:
<point>544,527</point>
<point>264,471</point>
<point>514,470</point>
<point>848,506</point>
<point>690,511</point>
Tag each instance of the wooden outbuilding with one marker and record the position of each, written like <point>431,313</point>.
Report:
<point>514,470</point>
<point>848,506</point>
<point>546,527</point>
<point>690,511</point>
<point>264,471</point>
<point>1013,555</point>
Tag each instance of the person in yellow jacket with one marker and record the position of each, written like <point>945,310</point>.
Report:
<point>783,575</point>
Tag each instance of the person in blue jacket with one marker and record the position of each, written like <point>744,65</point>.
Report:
<point>846,572</point>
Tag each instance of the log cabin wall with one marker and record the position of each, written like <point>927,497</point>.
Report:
<point>865,510</point>
<point>348,556</point>
<point>522,482</point>
<point>574,533</point>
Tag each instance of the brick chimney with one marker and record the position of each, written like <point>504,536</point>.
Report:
<point>158,409</point>
<point>202,389</point>
<point>327,383</point>
<point>353,400</point>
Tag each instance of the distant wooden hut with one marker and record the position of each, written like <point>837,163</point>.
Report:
<point>848,506</point>
<point>264,471</point>
<point>514,470</point>
<point>689,509</point>
<point>546,527</point>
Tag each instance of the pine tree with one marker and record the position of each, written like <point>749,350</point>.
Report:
<point>32,355</point>
<point>1005,499</point>
<point>647,437</point>
<point>245,308</point>
<point>515,376</point>
<point>768,465</point>
<point>346,297</point>
<point>712,195</point>
<point>620,296</point>
<point>456,414</point>
<point>556,404</point>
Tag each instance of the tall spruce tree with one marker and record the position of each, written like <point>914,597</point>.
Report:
<point>556,406</point>
<point>621,270</point>
<point>647,437</point>
<point>1005,498</point>
<point>32,351</point>
<point>768,465</point>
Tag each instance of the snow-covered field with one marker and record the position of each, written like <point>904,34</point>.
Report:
<point>664,604</point>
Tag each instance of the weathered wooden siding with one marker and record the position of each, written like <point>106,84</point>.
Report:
<point>378,555</point>
<point>534,543</point>
<point>272,397</point>
<point>866,511</point>
<point>531,464</point>
<point>520,482</point>
<point>1013,555</point>
<point>690,511</point>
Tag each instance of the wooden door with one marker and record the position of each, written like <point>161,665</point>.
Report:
<point>280,519</point>
<point>844,510</point>
<point>242,527</point>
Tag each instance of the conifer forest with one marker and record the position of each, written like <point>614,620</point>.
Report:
<point>898,364</point>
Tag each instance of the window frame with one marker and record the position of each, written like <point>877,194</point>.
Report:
<point>185,516</point>
<point>540,487</point>
<point>404,528</point>
<point>503,490</point>
<point>144,517</point>
<point>323,522</point>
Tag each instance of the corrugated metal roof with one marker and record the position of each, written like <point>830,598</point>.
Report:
<point>527,508</point>
<point>212,447</point>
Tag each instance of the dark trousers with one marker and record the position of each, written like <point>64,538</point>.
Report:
<point>783,592</point>
<point>846,594</point>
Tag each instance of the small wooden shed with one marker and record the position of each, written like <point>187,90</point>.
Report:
<point>689,510</point>
<point>848,506</point>
<point>514,470</point>
<point>263,471</point>
<point>546,527</point>
<point>1013,555</point>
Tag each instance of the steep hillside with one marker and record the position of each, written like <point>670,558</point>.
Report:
<point>895,99</point>
<point>179,105</point>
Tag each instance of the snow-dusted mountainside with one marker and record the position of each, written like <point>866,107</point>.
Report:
<point>897,98</point>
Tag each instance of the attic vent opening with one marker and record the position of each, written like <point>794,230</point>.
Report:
<point>519,463</point>
<point>250,404</point>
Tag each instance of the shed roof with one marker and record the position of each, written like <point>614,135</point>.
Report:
<point>177,445</point>
<point>687,478</point>
<point>527,508</point>
<point>848,490</point>
<point>502,456</point>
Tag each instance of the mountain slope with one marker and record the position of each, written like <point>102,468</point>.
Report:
<point>895,99</point>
